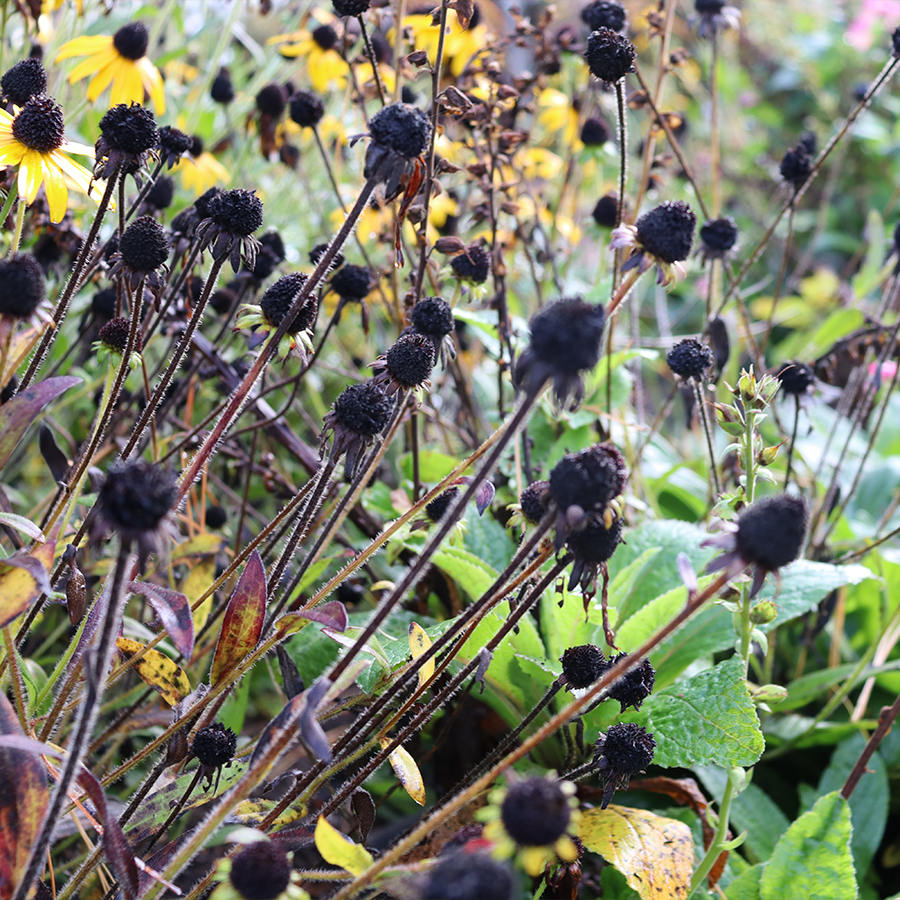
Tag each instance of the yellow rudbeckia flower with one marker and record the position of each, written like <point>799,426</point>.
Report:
<point>325,66</point>
<point>35,142</point>
<point>120,60</point>
<point>200,170</point>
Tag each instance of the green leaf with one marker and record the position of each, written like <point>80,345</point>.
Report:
<point>709,718</point>
<point>813,857</point>
<point>469,571</point>
<point>488,540</point>
<point>433,466</point>
<point>746,885</point>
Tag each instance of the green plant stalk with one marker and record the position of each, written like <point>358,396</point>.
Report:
<point>718,841</point>
<point>15,677</point>
<point>707,431</point>
<point>749,490</point>
<point>17,233</point>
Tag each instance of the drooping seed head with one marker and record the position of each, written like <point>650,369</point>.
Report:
<point>604,14</point>
<point>129,129</point>
<point>352,283</point>
<point>137,495</point>
<point>583,665</point>
<point>796,377</point>
<point>271,100</point>
<point>279,297</point>
<point>535,500</point>
<point>222,89</point>
<point>307,109</point>
<point>237,211</point>
<point>609,55</point>
<point>635,686</point>
<point>536,812</point>
<point>473,264</point>
<point>433,317</point>
<point>363,408</point>
<point>771,531</point>
<point>595,132</point>
<point>589,479</point>
<point>144,245</point>
<point>436,508</point>
<point>606,211</point>
<point>796,166</point>
<point>689,358</point>
<point>410,360</point>
<point>719,235</point>
<point>22,286</point>
<point>667,231</point>
<point>595,543</point>
<point>566,335</point>
<point>214,745</point>
<point>402,128</point>
<point>629,748</point>
<point>162,193</point>
<point>260,871</point>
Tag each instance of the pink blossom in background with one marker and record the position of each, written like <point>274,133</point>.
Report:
<point>888,368</point>
<point>872,15</point>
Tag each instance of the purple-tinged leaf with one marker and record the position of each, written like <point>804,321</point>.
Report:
<point>485,657</point>
<point>484,494</point>
<point>290,674</point>
<point>174,611</point>
<point>332,615</point>
<point>312,732</point>
<point>56,460</point>
<point>363,807</point>
<point>244,619</point>
<point>23,578</point>
<point>17,414</point>
<point>20,523</point>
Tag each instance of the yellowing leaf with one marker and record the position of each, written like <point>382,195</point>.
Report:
<point>252,812</point>
<point>339,850</point>
<point>158,671</point>
<point>205,544</point>
<point>407,771</point>
<point>22,580</point>
<point>655,854</point>
<point>195,584</point>
<point>419,643</point>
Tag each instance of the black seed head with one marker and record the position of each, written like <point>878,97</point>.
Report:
<point>222,300</point>
<point>162,193</point>
<point>433,317</point>
<point>410,359</point>
<point>470,876</point>
<point>583,665</point>
<point>260,871</point>
<point>271,100</point>
<point>22,286</point>
<point>796,166</point>
<point>201,204</point>
<point>352,283</point>
<point>633,688</point>
<point>222,90</point>
<point>9,390</point>
<point>628,748</point>
<point>144,246</point>
<point>114,334</point>
<point>436,509</point>
<point>566,334</point>
<point>610,57</point>
<point>536,812</point>
<point>473,264</point>
<point>771,531</point>
<point>363,408</point>
<point>667,231</point>
<point>795,377</point>
<point>40,125</point>
<point>173,141</point>
<point>719,235</point>
<point>271,252</point>
<point>237,211</point>
<point>103,303</point>
<point>216,516</point>
<point>402,128</point>
<point>137,495</point>
<point>130,129</point>
<point>24,80</point>
<point>895,43</point>
<point>272,241</point>
<point>689,358</point>
<point>197,149</point>
<point>325,36</point>
<point>316,254</point>
<point>307,109</point>
<point>589,479</point>
<point>808,142</point>
<point>606,211</point>
<point>604,14</point>
<point>709,7</point>
<point>131,40</point>
<point>278,298</point>
<point>214,745</point>
<point>595,543</point>
<point>350,7</point>
<point>595,132</point>
<point>534,501</point>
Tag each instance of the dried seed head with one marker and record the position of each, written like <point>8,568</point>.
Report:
<point>604,14</point>
<point>667,231</point>
<point>39,125</point>
<point>307,109</point>
<point>535,500</point>
<point>433,317</point>
<point>589,479</point>
<point>350,7</point>
<point>436,509</point>
<point>136,496</point>
<point>201,204</point>
<point>103,303</point>
<point>771,531</point>
<point>796,166</point>
<point>625,750</point>
<point>402,128</point>
<point>174,142</point>
<point>363,408</point>
<point>410,360</point>
<point>316,254</point>
<point>24,80</point>
<point>719,235</point>
<point>114,334</point>
<point>237,211</point>
<point>710,7</point>
<point>279,297</point>
<point>689,358</point>
<point>536,812</point>
<point>609,55</point>
<point>473,264</point>
<point>594,544</point>
<point>214,745</point>
<point>162,193</point>
<point>595,132</point>
<point>22,286</point>
<point>131,41</point>
<point>634,687</point>
<point>271,100</point>
<point>260,871</point>
<point>583,665</point>
<point>795,377</point>
<point>325,36</point>
<point>895,43</point>
<point>352,283</point>
<point>216,516</point>
<point>606,211</point>
<point>129,129</point>
<point>222,90</point>
<point>144,245</point>
<point>470,876</point>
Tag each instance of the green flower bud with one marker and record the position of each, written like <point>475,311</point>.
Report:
<point>763,613</point>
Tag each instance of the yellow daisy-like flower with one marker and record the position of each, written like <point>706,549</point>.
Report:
<point>35,142</point>
<point>120,60</point>
<point>319,48</point>
<point>460,45</point>
<point>559,118</point>
<point>200,170</point>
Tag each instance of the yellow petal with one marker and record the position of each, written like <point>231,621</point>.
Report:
<point>81,46</point>
<point>77,174</point>
<point>153,84</point>
<point>95,63</point>
<point>11,154</point>
<point>31,173</point>
<point>127,84</point>
<point>55,184</point>
<point>100,82</point>
<point>78,149</point>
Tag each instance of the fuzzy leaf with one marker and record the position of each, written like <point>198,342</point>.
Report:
<point>472,574</point>
<point>655,854</point>
<point>338,850</point>
<point>157,671</point>
<point>23,578</point>
<point>419,643</point>
<point>174,612</point>
<point>332,615</point>
<point>194,585</point>
<point>244,619</point>
<point>20,523</point>
<point>206,544</point>
<point>813,857</point>
<point>252,812</point>
<point>407,771</point>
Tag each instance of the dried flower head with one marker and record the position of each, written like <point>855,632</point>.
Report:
<point>400,134</point>
<point>127,135</point>
<point>796,378</point>
<point>161,195</point>
<point>307,109</point>
<point>40,124</point>
<point>260,871</point>
<point>407,364</point>
<point>604,14</point>
<point>609,55</point>
<point>359,415</point>
<point>23,287</point>
<point>796,166</point>
<point>635,686</point>
<point>316,254</point>
<point>433,317</point>
<point>717,238</point>
<point>174,144</point>
<point>214,746</point>
<point>352,283</point>
<point>595,132</point>
<point>233,217</point>
<point>113,335</point>
<point>470,875</point>
<point>534,501</point>
<point>606,212</point>
<point>583,665</point>
<point>23,81</point>
<point>436,508</point>
<point>713,16</point>
<point>689,358</point>
<point>272,309</point>
<point>625,750</point>
<point>271,100</point>
<point>473,264</point>
<point>143,250</point>
<point>222,89</point>
<point>662,237</point>
<point>592,546</point>
<point>350,7</point>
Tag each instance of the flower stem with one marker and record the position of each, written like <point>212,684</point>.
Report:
<point>622,291</point>
<point>17,233</point>
<point>719,838</point>
<point>707,430</point>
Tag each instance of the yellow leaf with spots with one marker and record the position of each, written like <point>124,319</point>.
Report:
<point>252,812</point>
<point>407,771</point>
<point>419,643</point>
<point>655,854</point>
<point>339,850</point>
<point>157,671</point>
<point>195,584</point>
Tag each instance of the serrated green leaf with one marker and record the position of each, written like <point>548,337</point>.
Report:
<point>746,885</point>
<point>470,572</point>
<point>709,718</point>
<point>813,858</point>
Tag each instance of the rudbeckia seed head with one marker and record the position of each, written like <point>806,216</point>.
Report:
<point>201,204</point>
<point>271,100</point>
<point>436,509</point>
<point>114,334</point>
<point>627,749</point>
<point>325,36</point>
<point>352,283</point>
<point>143,245</point>
<point>137,495</point>
<point>796,166</point>
<point>278,298</point>
<point>22,286</point>
<point>410,360</point>
<point>473,264</point>
<point>589,479</point>
<point>103,304</point>
<point>197,149</point>
<point>536,812</point>
<point>470,876</point>
<point>216,516</point>
<point>594,132</point>
<point>594,544</point>
<point>236,211</point>
<point>214,745</point>
<point>534,501</point>
<point>689,358</point>
<point>162,193</point>
<point>40,124</point>
<point>271,252</point>
<point>24,80</point>
<point>363,408</point>
<point>710,7</point>
<point>604,14</point>
<point>719,235</point>
<point>606,211</point>
<point>433,317</point>
<point>635,686</point>
<point>129,129</point>
<point>667,231</point>
<point>307,109</point>
<point>131,41</point>
<point>609,55</point>
<point>795,377</point>
<point>771,531</point>
<point>222,90</point>
<point>583,665</point>
<point>895,43</point>
<point>402,128</point>
<point>260,871</point>
<point>350,7</point>
<point>316,254</point>
<point>173,141</point>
